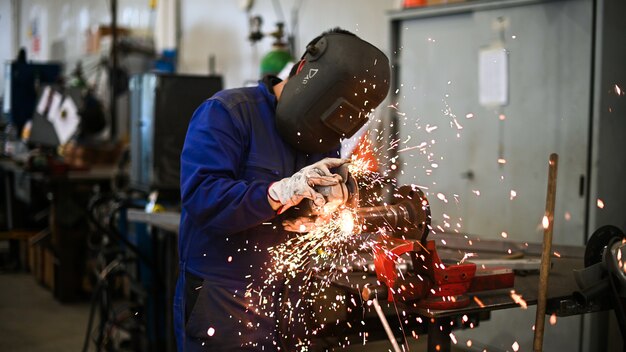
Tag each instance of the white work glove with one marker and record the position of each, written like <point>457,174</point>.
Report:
<point>291,190</point>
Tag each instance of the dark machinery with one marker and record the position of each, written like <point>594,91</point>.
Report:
<point>604,277</point>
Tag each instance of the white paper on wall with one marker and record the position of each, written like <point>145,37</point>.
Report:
<point>493,76</point>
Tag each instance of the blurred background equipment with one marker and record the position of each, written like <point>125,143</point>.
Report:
<point>281,55</point>
<point>161,107</point>
<point>23,81</point>
<point>275,61</point>
<point>603,280</point>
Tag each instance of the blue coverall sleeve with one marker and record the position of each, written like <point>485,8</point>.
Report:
<point>212,194</point>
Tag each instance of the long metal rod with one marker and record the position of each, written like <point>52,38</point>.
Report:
<point>383,320</point>
<point>548,225</point>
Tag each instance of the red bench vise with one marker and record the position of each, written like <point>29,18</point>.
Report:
<point>428,282</point>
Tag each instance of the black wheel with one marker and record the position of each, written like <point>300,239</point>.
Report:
<point>600,239</point>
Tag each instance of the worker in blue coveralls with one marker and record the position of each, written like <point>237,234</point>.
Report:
<point>251,154</point>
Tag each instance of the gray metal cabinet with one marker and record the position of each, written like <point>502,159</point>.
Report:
<point>486,176</point>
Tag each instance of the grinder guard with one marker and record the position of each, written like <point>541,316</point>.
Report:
<point>345,193</point>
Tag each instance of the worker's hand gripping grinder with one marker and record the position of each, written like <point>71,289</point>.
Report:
<point>307,216</point>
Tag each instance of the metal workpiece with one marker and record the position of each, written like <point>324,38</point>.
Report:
<point>426,281</point>
<point>409,218</point>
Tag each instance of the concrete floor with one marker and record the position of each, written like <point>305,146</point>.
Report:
<point>32,320</point>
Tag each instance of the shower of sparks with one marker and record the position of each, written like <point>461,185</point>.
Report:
<point>466,256</point>
<point>310,252</point>
<point>430,128</point>
<point>618,90</point>
<point>518,299</point>
<point>553,319</point>
<point>442,197</point>
<point>307,263</point>
<point>479,302</point>
<point>359,166</point>
<point>545,222</point>
<point>453,338</point>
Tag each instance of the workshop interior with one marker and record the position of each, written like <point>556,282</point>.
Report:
<point>482,207</point>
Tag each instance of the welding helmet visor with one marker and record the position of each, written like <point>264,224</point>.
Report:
<point>340,80</point>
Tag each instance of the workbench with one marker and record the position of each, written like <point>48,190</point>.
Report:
<point>438,324</point>
<point>163,228</point>
<point>62,201</point>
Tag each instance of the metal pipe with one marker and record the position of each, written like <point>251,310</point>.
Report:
<point>409,218</point>
<point>383,320</point>
<point>385,215</point>
<point>548,225</point>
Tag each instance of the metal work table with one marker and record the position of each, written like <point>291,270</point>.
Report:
<point>64,197</point>
<point>166,220</point>
<point>560,299</point>
<point>561,285</point>
<point>94,173</point>
<point>560,289</point>
<point>164,233</point>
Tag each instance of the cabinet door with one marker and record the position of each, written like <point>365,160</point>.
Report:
<point>549,74</point>
<point>549,46</point>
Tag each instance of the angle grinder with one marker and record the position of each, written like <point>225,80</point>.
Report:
<point>408,215</point>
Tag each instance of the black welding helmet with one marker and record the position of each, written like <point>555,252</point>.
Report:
<point>340,80</point>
